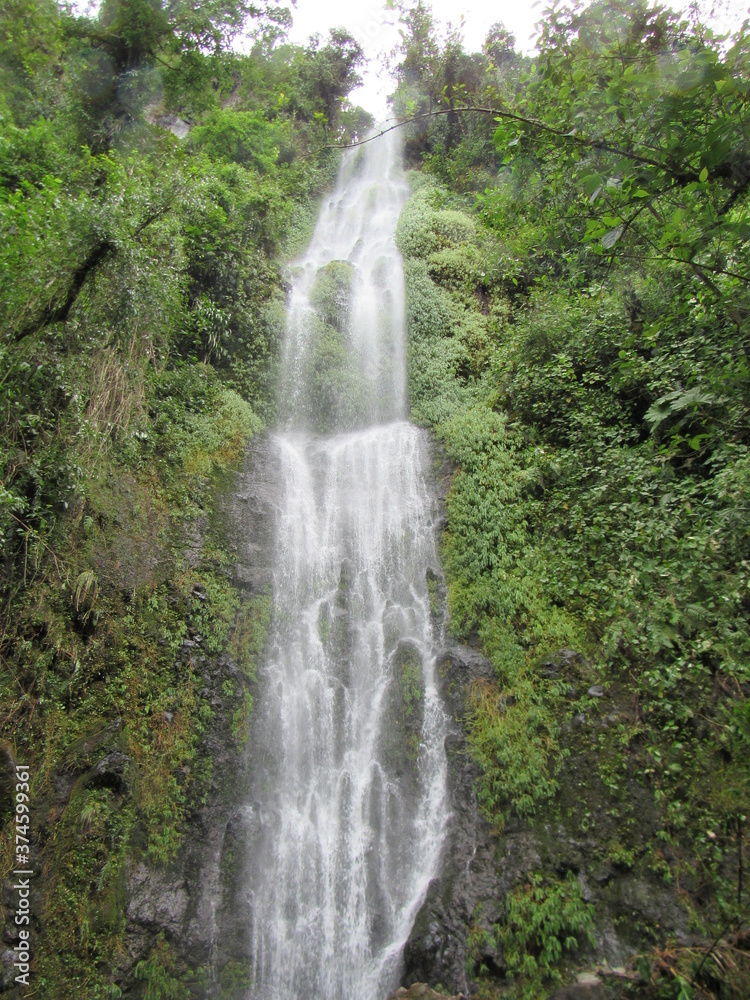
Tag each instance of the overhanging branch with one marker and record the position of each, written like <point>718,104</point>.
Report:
<point>97,255</point>
<point>58,314</point>
<point>680,176</point>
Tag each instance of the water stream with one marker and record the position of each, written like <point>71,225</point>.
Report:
<point>349,789</point>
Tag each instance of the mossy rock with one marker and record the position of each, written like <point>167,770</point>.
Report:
<point>331,294</point>
<point>338,395</point>
<point>405,708</point>
<point>423,230</point>
<point>407,664</point>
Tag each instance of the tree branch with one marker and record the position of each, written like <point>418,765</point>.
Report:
<point>681,260</point>
<point>682,176</point>
<point>58,314</point>
<point>98,253</point>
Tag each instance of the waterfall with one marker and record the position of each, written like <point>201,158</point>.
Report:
<point>349,771</point>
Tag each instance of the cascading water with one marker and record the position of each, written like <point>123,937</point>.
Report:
<point>349,780</point>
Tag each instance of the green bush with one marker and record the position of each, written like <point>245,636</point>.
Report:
<point>158,974</point>
<point>243,137</point>
<point>544,919</point>
<point>423,229</point>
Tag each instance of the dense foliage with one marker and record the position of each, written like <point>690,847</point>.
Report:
<point>576,257</point>
<point>578,294</point>
<point>141,311</point>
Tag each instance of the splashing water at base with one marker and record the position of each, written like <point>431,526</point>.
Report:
<point>350,787</point>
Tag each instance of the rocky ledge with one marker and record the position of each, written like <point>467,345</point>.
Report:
<point>420,991</point>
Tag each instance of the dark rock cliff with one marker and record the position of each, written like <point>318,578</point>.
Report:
<point>196,901</point>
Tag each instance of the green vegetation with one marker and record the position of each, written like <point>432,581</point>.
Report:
<point>544,919</point>
<point>578,305</point>
<point>411,684</point>
<point>158,974</point>
<point>142,309</point>
<point>496,582</point>
<point>337,393</point>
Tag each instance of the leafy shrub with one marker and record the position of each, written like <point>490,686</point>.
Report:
<point>243,137</point>
<point>197,422</point>
<point>423,230</point>
<point>544,919</point>
<point>158,972</point>
<point>435,355</point>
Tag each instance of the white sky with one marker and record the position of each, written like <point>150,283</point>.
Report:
<point>375,28</point>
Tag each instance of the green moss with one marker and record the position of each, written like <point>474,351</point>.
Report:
<point>300,229</point>
<point>111,696</point>
<point>338,395</point>
<point>433,593</point>
<point>235,980</point>
<point>410,680</point>
<point>241,718</point>
<point>89,867</point>
<point>161,977</point>
<point>250,632</point>
<point>423,229</point>
<point>332,292</point>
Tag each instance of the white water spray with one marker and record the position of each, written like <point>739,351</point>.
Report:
<point>349,791</point>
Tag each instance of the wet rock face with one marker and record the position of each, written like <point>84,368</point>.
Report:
<point>251,510</point>
<point>195,901</point>
<point>199,902</point>
<point>481,866</point>
<point>405,709</point>
<point>157,899</point>
<point>436,949</point>
<point>470,875</point>
<point>184,900</point>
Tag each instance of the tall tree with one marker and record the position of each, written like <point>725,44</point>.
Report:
<point>137,31</point>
